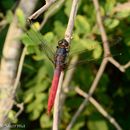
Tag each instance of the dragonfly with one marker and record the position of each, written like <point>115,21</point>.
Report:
<point>59,58</point>
<point>60,64</point>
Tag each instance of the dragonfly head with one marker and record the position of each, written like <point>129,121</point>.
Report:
<point>63,43</point>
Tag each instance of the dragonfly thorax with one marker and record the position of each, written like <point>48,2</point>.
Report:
<point>61,54</point>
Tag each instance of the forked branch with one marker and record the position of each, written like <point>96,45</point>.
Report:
<point>103,64</point>
<point>41,10</point>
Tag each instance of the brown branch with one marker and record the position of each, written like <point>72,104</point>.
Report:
<point>107,54</point>
<point>21,108</point>
<point>41,10</point>
<point>126,65</point>
<point>67,80</point>
<point>69,29</point>
<point>56,115</point>
<point>116,64</point>
<point>68,36</point>
<point>55,7</point>
<point>101,27</point>
<point>19,70</point>
<point>92,88</point>
<point>10,60</point>
<point>99,108</point>
<point>122,68</point>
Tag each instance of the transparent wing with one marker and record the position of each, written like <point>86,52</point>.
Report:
<point>37,38</point>
<point>89,60</point>
<point>87,47</point>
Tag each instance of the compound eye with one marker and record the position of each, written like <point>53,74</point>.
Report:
<point>66,44</point>
<point>60,42</point>
<point>63,43</point>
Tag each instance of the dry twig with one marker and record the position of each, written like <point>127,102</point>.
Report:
<point>103,64</point>
<point>56,115</point>
<point>21,108</point>
<point>68,35</point>
<point>99,108</point>
<point>10,61</point>
<point>93,87</point>
<point>55,7</point>
<point>42,9</point>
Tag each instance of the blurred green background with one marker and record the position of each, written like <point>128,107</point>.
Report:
<point>114,87</point>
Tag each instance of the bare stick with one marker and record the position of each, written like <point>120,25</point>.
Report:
<point>103,64</point>
<point>98,76</point>
<point>93,87</point>
<point>10,60</point>
<point>21,108</point>
<point>116,64</point>
<point>101,27</point>
<point>57,104</point>
<point>99,108</point>
<point>42,9</point>
<point>55,7</point>
<point>67,80</point>
<point>127,65</point>
<point>68,33</point>
<point>19,69</point>
<point>68,36</point>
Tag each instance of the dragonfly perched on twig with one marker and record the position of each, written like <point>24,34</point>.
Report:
<point>59,58</point>
<point>60,64</point>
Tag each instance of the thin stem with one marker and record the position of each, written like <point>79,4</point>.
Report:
<point>68,36</point>
<point>93,87</point>
<point>41,10</point>
<point>21,108</point>
<point>19,69</point>
<point>57,5</point>
<point>98,76</point>
<point>56,115</point>
<point>116,64</point>
<point>103,64</point>
<point>68,33</point>
<point>67,80</point>
<point>101,27</point>
<point>99,108</point>
<point>127,65</point>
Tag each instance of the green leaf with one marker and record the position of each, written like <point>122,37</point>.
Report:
<point>45,121</point>
<point>11,116</point>
<point>35,114</point>
<point>122,10</point>
<point>90,44</point>
<point>59,29</point>
<point>109,4</point>
<point>82,44</point>
<point>97,125</point>
<point>21,17</point>
<point>41,97</point>
<point>82,25</point>
<point>28,97</point>
<point>123,14</point>
<point>127,41</point>
<point>32,37</point>
<point>78,125</point>
<point>97,52</point>
<point>111,23</point>
<point>32,50</point>
<point>48,37</point>
<point>68,4</point>
<point>9,16</point>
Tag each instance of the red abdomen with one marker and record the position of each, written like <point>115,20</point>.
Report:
<point>53,90</point>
